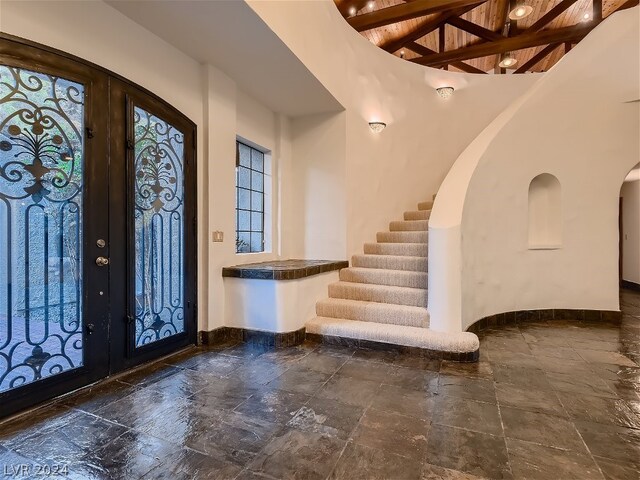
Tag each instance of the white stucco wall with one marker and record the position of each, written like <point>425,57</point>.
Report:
<point>580,124</point>
<point>630,193</point>
<point>387,173</point>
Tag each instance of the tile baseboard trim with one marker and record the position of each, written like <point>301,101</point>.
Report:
<point>630,285</point>
<point>389,347</point>
<point>528,316</point>
<point>254,337</point>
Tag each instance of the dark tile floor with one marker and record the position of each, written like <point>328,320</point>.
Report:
<point>548,400</point>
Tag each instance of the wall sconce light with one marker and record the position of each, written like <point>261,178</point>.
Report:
<point>377,127</point>
<point>445,92</point>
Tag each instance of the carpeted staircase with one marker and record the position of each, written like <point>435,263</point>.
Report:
<point>382,297</point>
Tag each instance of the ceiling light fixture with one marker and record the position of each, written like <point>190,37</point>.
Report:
<point>586,16</point>
<point>401,53</point>
<point>520,11</point>
<point>507,61</point>
<point>445,92</point>
<point>377,127</point>
<point>370,5</point>
<point>352,11</point>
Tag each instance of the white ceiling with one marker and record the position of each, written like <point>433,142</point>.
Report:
<point>229,35</point>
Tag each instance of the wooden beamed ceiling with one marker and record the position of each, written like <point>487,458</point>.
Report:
<point>473,35</point>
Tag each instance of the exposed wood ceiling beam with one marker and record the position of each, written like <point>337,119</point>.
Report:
<point>566,34</point>
<point>405,11</point>
<point>426,28</point>
<point>536,58</point>
<point>550,16</point>
<point>597,10</point>
<point>422,50</point>
<point>474,29</point>
<point>629,4</point>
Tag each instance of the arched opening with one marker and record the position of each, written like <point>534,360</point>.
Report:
<point>545,212</point>
<point>630,230</point>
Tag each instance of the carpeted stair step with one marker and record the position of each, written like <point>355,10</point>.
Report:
<point>415,297</point>
<point>409,226</point>
<point>402,249</point>
<point>425,205</point>
<point>417,215</point>
<point>391,262</point>
<point>373,312</point>
<point>463,342</point>
<point>378,276</point>
<point>402,237</point>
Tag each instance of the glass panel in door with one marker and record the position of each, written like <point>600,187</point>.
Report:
<point>158,228</point>
<point>41,208</point>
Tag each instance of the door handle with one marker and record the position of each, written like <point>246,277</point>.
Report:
<point>102,261</point>
<point>90,328</point>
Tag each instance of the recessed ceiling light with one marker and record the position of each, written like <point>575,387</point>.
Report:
<point>586,16</point>
<point>520,11</point>
<point>401,53</point>
<point>352,11</point>
<point>508,61</point>
<point>445,92</point>
<point>371,5</point>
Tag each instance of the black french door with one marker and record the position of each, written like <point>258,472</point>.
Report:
<point>97,229</point>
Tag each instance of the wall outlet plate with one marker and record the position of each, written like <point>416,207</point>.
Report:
<point>217,236</point>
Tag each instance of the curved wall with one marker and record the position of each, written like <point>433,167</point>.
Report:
<point>387,173</point>
<point>580,124</point>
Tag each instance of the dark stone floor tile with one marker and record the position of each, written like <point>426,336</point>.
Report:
<point>13,465</point>
<point>256,373</point>
<point>131,455</point>
<point>323,363</point>
<point>213,363</point>
<point>184,383</point>
<point>411,360</point>
<point>149,374</point>
<point>413,379</point>
<point>297,454</point>
<point>435,472</point>
<point>289,355</point>
<point>97,396</point>
<point>235,436</point>
<point>244,350</point>
<point>380,356</point>
<point>469,414</point>
<point>142,408</point>
<point>613,470</point>
<point>327,417</point>
<point>247,474</point>
<point>394,433</point>
<point>543,401</point>
<point>349,390</point>
<point>540,428</point>
<point>601,410</point>
<point>579,383</point>
<point>555,352</point>
<point>471,452</point>
<point>625,390</point>
<point>366,370</point>
<point>189,464</point>
<point>276,406</point>
<point>538,462</point>
<point>225,393</point>
<point>530,378</point>
<point>601,356</point>
<point>335,350</point>
<point>42,420</point>
<point>300,380</point>
<point>359,462</point>
<point>543,337</point>
<point>580,344</point>
<point>616,372</point>
<point>465,387</point>
<point>413,403</point>
<point>565,366</point>
<point>473,370</point>
<point>611,441</point>
<point>515,359</point>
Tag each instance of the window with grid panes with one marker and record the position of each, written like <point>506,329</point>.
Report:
<point>249,199</point>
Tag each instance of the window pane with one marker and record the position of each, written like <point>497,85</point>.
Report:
<point>243,199</point>
<point>158,235</point>
<point>243,221</point>
<point>243,242</point>
<point>256,242</point>
<point>244,177</point>
<point>256,222</point>
<point>257,181</point>
<point>256,201</point>
<point>41,210</point>
<point>257,160</point>
<point>245,155</point>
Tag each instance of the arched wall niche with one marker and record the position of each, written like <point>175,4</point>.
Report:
<point>545,212</point>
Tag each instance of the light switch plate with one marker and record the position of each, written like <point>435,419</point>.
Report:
<point>217,236</point>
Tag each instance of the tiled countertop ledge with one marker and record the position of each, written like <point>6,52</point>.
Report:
<point>283,269</point>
